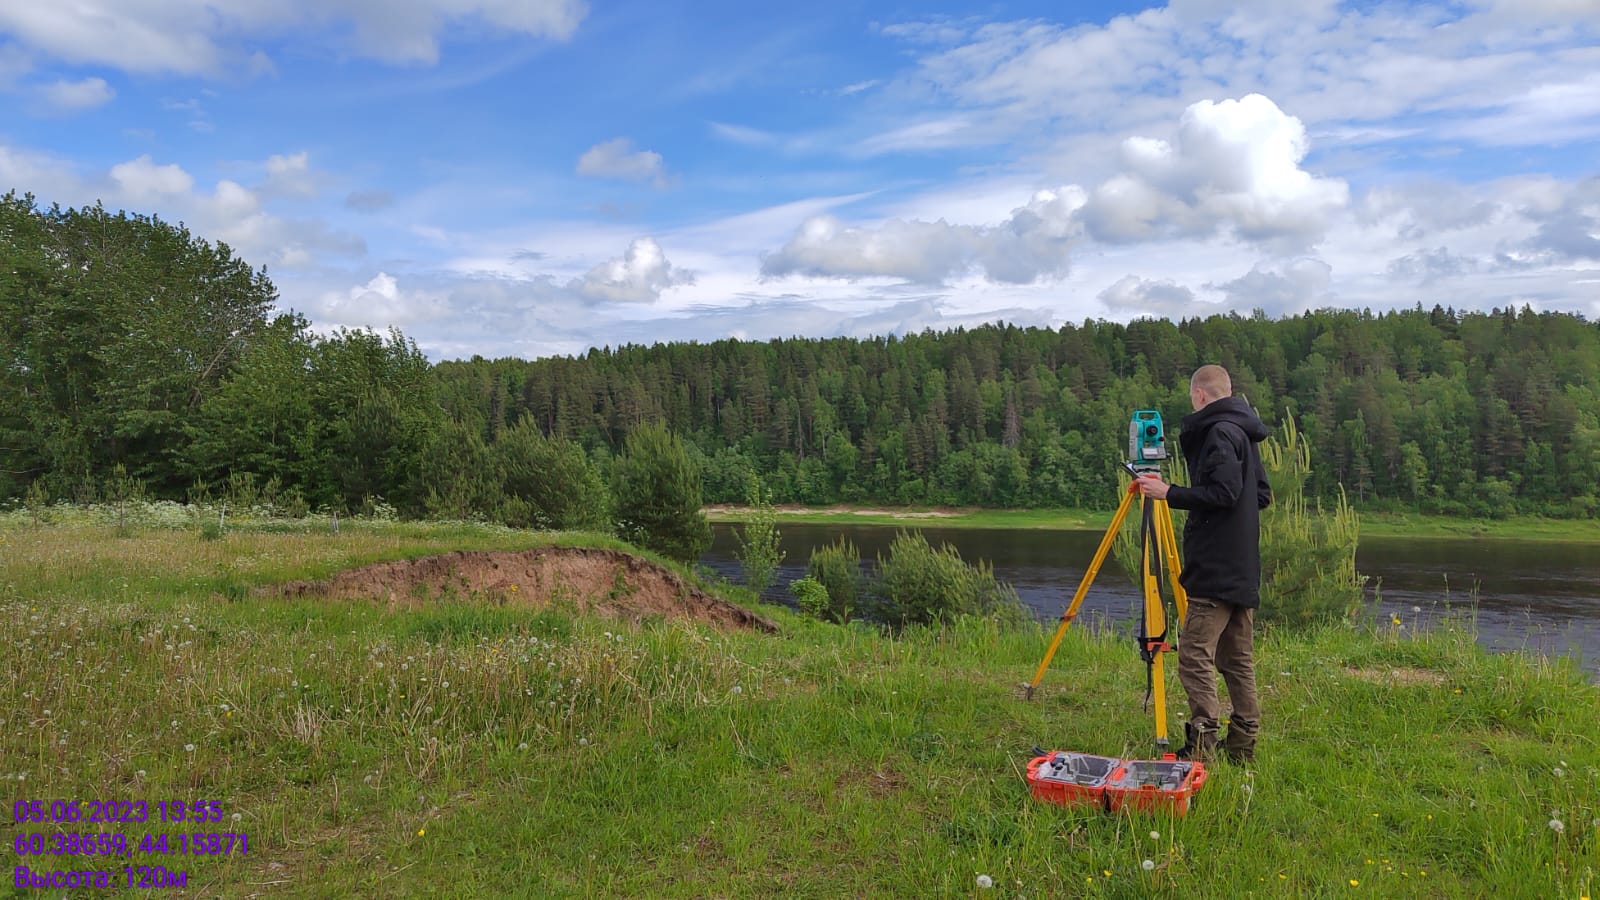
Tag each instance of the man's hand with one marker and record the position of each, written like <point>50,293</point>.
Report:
<point>1152,486</point>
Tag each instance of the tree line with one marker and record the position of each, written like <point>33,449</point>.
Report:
<point>137,356</point>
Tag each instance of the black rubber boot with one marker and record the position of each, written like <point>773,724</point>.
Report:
<point>1199,743</point>
<point>1240,743</point>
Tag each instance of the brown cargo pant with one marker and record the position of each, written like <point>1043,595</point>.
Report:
<point>1220,637</point>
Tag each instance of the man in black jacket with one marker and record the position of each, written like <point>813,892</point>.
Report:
<point>1222,561</point>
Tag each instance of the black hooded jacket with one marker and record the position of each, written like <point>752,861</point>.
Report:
<point>1222,538</point>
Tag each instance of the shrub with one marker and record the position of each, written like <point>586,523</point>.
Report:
<point>657,489</point>
<point>811,596</point>
<point>918,584</point>
<point>759,552</point>
<point>837,567</point>
<point>1308,555</point>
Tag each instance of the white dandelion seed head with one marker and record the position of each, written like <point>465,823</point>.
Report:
<point>188,748</point>
<point>737,689</point>
<point>1155,835</point>
<point>238,817</point>
<point>583,742</point>
<point>523,745</point>
<point>139,774</point>
<point>1148,865</point>
<point>985,882</point>
<point>1557,826</point>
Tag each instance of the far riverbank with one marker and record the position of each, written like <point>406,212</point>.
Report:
<point>1375,524</point>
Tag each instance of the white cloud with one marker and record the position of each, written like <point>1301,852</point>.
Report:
<point>1430,265</point>
<point>1572,231</point>
<point>76,96</point>
<point>1031,244</point>
<point>617,158</point>
<point>142,180</point>
<point>378,304</point>
<point>639,276</point>
<point>1280,289</point>
<point>742,134</point>
<point>1234,165</point>
<point>291,174</point>
<point>1138,295</point>
<point>203,36</point>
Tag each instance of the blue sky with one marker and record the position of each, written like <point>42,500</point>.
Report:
<point>535,177</point>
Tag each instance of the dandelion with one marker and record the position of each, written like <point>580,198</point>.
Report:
<point>583,742</point>
<point>1557,826</point>
<point>421,832</point>
<point>1559,772</point>
<point>1155,835</point>
<point>139,774</point>
<point>523,745</point>
<point>1148,865</point>
<point>737,689</point>
<point>985,882</point>
<point>1354,883</point>
<point>237,817</point>
<point>188,748</point>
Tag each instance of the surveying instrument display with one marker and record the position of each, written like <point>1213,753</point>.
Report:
<point>1158,549</point>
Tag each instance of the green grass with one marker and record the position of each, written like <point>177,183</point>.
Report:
<point>1373,524</point>
<point>468,751</point>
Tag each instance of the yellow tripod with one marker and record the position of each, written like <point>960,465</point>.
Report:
<point>1156,542</point>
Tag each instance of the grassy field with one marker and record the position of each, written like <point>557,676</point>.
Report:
<point>1372,524</point>
<point>478,748</point>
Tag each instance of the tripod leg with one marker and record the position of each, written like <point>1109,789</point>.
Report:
<point>1169,549</point>
<point>1155,615</point>
<point>1083,587</point>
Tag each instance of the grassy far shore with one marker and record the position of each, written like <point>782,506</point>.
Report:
<point>489,747</point>
<point>1373,524</point>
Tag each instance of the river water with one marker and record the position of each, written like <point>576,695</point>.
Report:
<point>1536,596</point>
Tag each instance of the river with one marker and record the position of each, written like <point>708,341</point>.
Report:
<point>1538,596</point>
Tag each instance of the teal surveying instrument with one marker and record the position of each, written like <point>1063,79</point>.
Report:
<point>1158,549</point>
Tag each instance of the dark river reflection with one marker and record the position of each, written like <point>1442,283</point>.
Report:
<point>1524,595</point>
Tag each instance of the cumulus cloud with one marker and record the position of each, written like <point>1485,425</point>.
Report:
<point>638,276</point>
<point>76,96</point>
<point>617,158</point>
<point>378,304</point>
<point>1139,295</point>
<point>291,174</point>
<point>1234,165</point>
<point>203,36</point>
<point>142,179</point>
<point>1280,289</point>
<point>1032,243</point>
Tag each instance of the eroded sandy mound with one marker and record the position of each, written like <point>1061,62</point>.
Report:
<point>603,581</point>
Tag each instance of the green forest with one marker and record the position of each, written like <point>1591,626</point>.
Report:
<point>142,360</point>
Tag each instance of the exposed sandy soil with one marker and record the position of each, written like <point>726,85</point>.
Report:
<point>609,582</point>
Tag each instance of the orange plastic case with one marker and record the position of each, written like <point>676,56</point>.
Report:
<point>1067,778</point>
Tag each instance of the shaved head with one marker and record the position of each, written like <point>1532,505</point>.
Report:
<point>1213,381</point>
